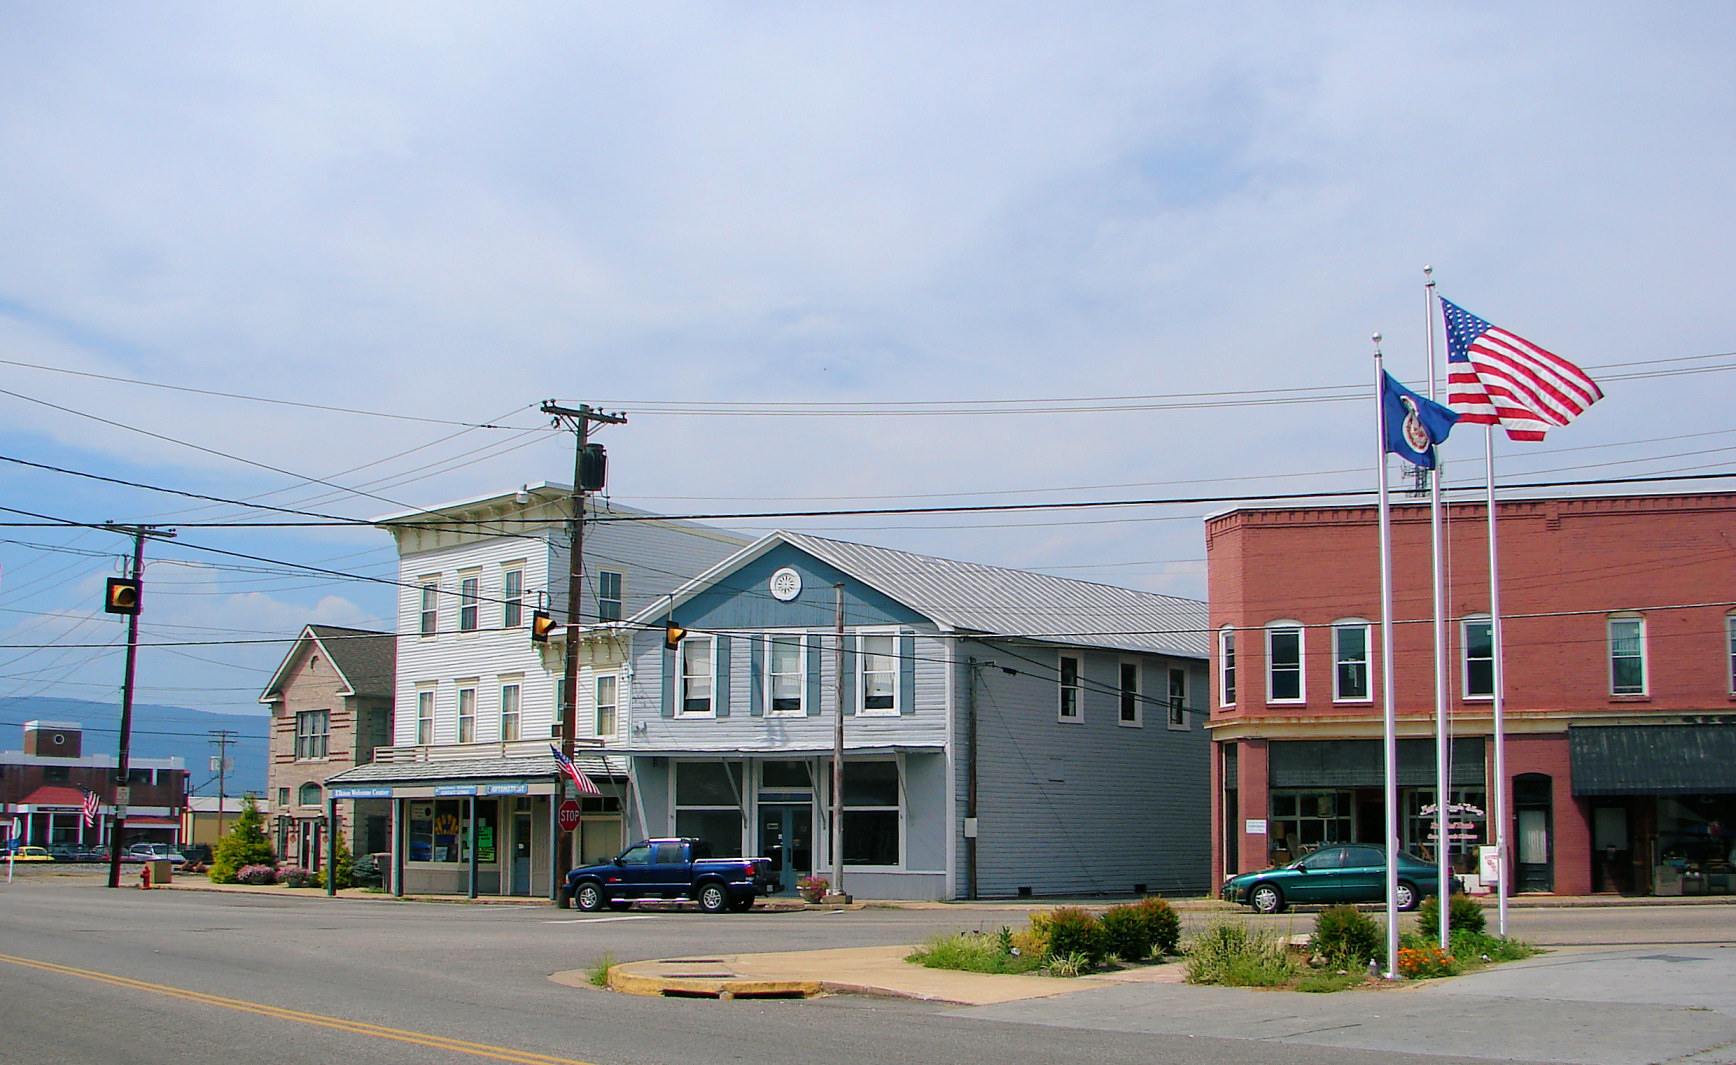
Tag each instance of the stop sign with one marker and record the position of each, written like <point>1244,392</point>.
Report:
<point>568,816</point>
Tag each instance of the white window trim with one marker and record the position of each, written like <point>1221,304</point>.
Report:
<point>501,684</point>
<point>301,790</point>
<point>432,717</point>
<point>596,680</point>
<point>471,685</point>
<point>1185,724</point>
<point>1077,687</point>
<point>861,678</point>
<point>767,686</point>
<point>620,600</point>
<point>473,601</point>
<point>1138,693</point>
<point>1367,627</point>
<point>1301,661</point>
<point>903,814</point>
<point>506,598</point>
<point>307,715</point>
<point>1226,666</point>
<point>1730,650</point>
<point>1644,656</point>
<point>1465,657</point>
<point>681,678</point>
<point>424,586</point>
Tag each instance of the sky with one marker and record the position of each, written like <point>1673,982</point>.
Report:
<point>822,256</point>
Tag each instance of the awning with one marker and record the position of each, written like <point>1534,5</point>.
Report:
<point>1359,763</point>
<point>1652,759</point>
<point>482,771</point>
<point>791,752</point>
<point>153,822</point>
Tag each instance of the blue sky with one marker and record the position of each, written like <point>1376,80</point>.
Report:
<point>451,212</point>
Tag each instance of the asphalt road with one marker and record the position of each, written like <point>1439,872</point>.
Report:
<point>93,975</point>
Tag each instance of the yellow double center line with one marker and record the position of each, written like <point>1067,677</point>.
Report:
<point>460,1046</point>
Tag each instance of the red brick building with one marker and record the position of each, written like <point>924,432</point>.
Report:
<point>42,791</point>
<point>1619,622</point>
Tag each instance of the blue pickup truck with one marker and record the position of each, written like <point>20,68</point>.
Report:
<point>671,869</point>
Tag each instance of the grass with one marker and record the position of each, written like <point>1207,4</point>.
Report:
<point>1321,982</point>
<point>973,952</point>
<point>598,973</point>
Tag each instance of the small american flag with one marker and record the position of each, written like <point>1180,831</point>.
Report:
<point>581,780</point>
<point>90,805</point>
<point>1497,378</point>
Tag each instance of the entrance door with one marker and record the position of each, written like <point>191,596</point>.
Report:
<point>521,853</point>
<point>1532,813</point>
<point>786,836</point>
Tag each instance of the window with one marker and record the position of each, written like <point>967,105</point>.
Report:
<point>786,677</point>
<point>1730,625</point>
<point>1130,708</point>
<point>871,813</point>
<point>1350,661</point>
<point>1478,634</point>
<point>282,798</point>
<point>312,733</point>
<point>1071,692</point>
<point>425,716</point>
<point>1284,662</point>
<point>430,606</point>
<point>1302,819</point>
<point>438,832</point>
<point>509,703</point>
<point>879,665</point>
<point>708,805</point>
<point>1226,666</point>
<point>609,598</point>
<point>512,595</point>
<point>696,675</point>
<point>1177,698</point>
<point>467,713</point>
<point>1627,655</point>
<point>606,705</point>
<point>467,589</point>
<point>308,795</point>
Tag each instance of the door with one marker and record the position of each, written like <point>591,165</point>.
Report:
<point>521,853</point>
<point>1534,867</point>
<point>1611,858</point>
<point>1363,878</point>
<point>786,836</point>
<point>669,873</point>
<point>1317,876</point>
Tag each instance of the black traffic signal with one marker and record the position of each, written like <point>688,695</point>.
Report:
<point>672,634</point>
<point>122,596</point>
<point>541,624</point>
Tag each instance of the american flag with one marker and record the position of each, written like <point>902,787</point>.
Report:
<point>581,780</point>
<point>1496,378</point>
<point>90,805</point>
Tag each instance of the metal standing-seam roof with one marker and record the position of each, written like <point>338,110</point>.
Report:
<point>975,598</point>
<point>476,769</point>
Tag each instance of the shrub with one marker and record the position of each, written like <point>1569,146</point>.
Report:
<point>1462,912</point>
<point>367,872</point>
<point>296,876</point>
<point>1468,945</point>
<point>1068,965</point>
<point>244,845</point>
<point>253,874</point>
<point>1227,953</point>
<point>975,952</point>
<point>1137,930</point>
<point>1346,937</point>
<point>813,888</point>
<point>1073,930</point>
<point>1033,940</point>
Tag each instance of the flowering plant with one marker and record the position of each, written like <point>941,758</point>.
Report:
<point>256,874</point>
<point>1418,962</point>
<point>296,876</point>
<point>813,888</point>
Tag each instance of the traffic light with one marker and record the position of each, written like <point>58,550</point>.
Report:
<point>541,624</point>
<point>672,634</point>
<point>122,597</point>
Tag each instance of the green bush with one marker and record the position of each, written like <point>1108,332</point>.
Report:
<point>245,844</point>
<point>1463,912</point>
<point>1137,930</point>
<point>367,872</point>
<point>1325,983</point>
<point>974,952</point>
<point>1227,953</point>
<point>1073,930</point>
<point>345,866</point>
<point>1346,937</point>
<point>1478,946</point>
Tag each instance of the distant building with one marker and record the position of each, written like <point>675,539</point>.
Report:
<point>203,824</point>
<point>42,791</point>
<point>331,707</point>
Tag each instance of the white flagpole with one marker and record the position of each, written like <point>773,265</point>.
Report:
<point>1388,721</point>
<point>1444,875</point>
<point>1500,789</point>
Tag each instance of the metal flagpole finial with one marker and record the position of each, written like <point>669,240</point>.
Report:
<point>1376,338</point>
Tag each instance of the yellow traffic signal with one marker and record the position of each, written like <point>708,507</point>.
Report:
<point>672,635</point>
<point>541,624</point>
<point>122,596</point>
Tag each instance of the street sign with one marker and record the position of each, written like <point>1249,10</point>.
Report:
<point>568,816</point>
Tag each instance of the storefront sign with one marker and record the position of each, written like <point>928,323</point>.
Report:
<point>507,789</point>
<point>455,789</point>
<point>361,793</point>
<point>1256,826</point>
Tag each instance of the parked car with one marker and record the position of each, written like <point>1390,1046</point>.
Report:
<point>1336,873</point>
<point>31,854</point>
<point>156,852</point>
<point>672,869</point>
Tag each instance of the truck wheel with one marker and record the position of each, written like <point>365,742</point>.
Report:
<point>1267,899</point>
<point>589,897</point>
<point>1405,896</point>
<point>713,899</point>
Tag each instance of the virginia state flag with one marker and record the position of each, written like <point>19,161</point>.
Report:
<point>1414,425</point>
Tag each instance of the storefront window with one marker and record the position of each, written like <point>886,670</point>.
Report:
<point>871,813</point>
<point>1467,824</point>
<point>708,805</point>
<point>438,832</point>
<point>1697,833</point>
<point>1303,820</point>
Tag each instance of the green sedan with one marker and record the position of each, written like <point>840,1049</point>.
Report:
<point>1333,874</point>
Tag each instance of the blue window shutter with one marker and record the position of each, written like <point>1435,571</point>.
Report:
<point>849,695</point>
<point>720,687</point>
<point>813,700</point>
<point>906,673</point>
<point>671,665</point>
<point>756,677</point>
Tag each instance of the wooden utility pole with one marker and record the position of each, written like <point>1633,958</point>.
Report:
<point>579,420</point>
<point>131,609</point>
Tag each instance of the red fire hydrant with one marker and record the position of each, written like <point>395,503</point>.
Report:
<point>145,877</point>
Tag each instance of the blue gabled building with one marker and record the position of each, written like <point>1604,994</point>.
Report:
<point>1006,732</point>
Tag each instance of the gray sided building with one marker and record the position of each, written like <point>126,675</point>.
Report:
<point>1006,733</point>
